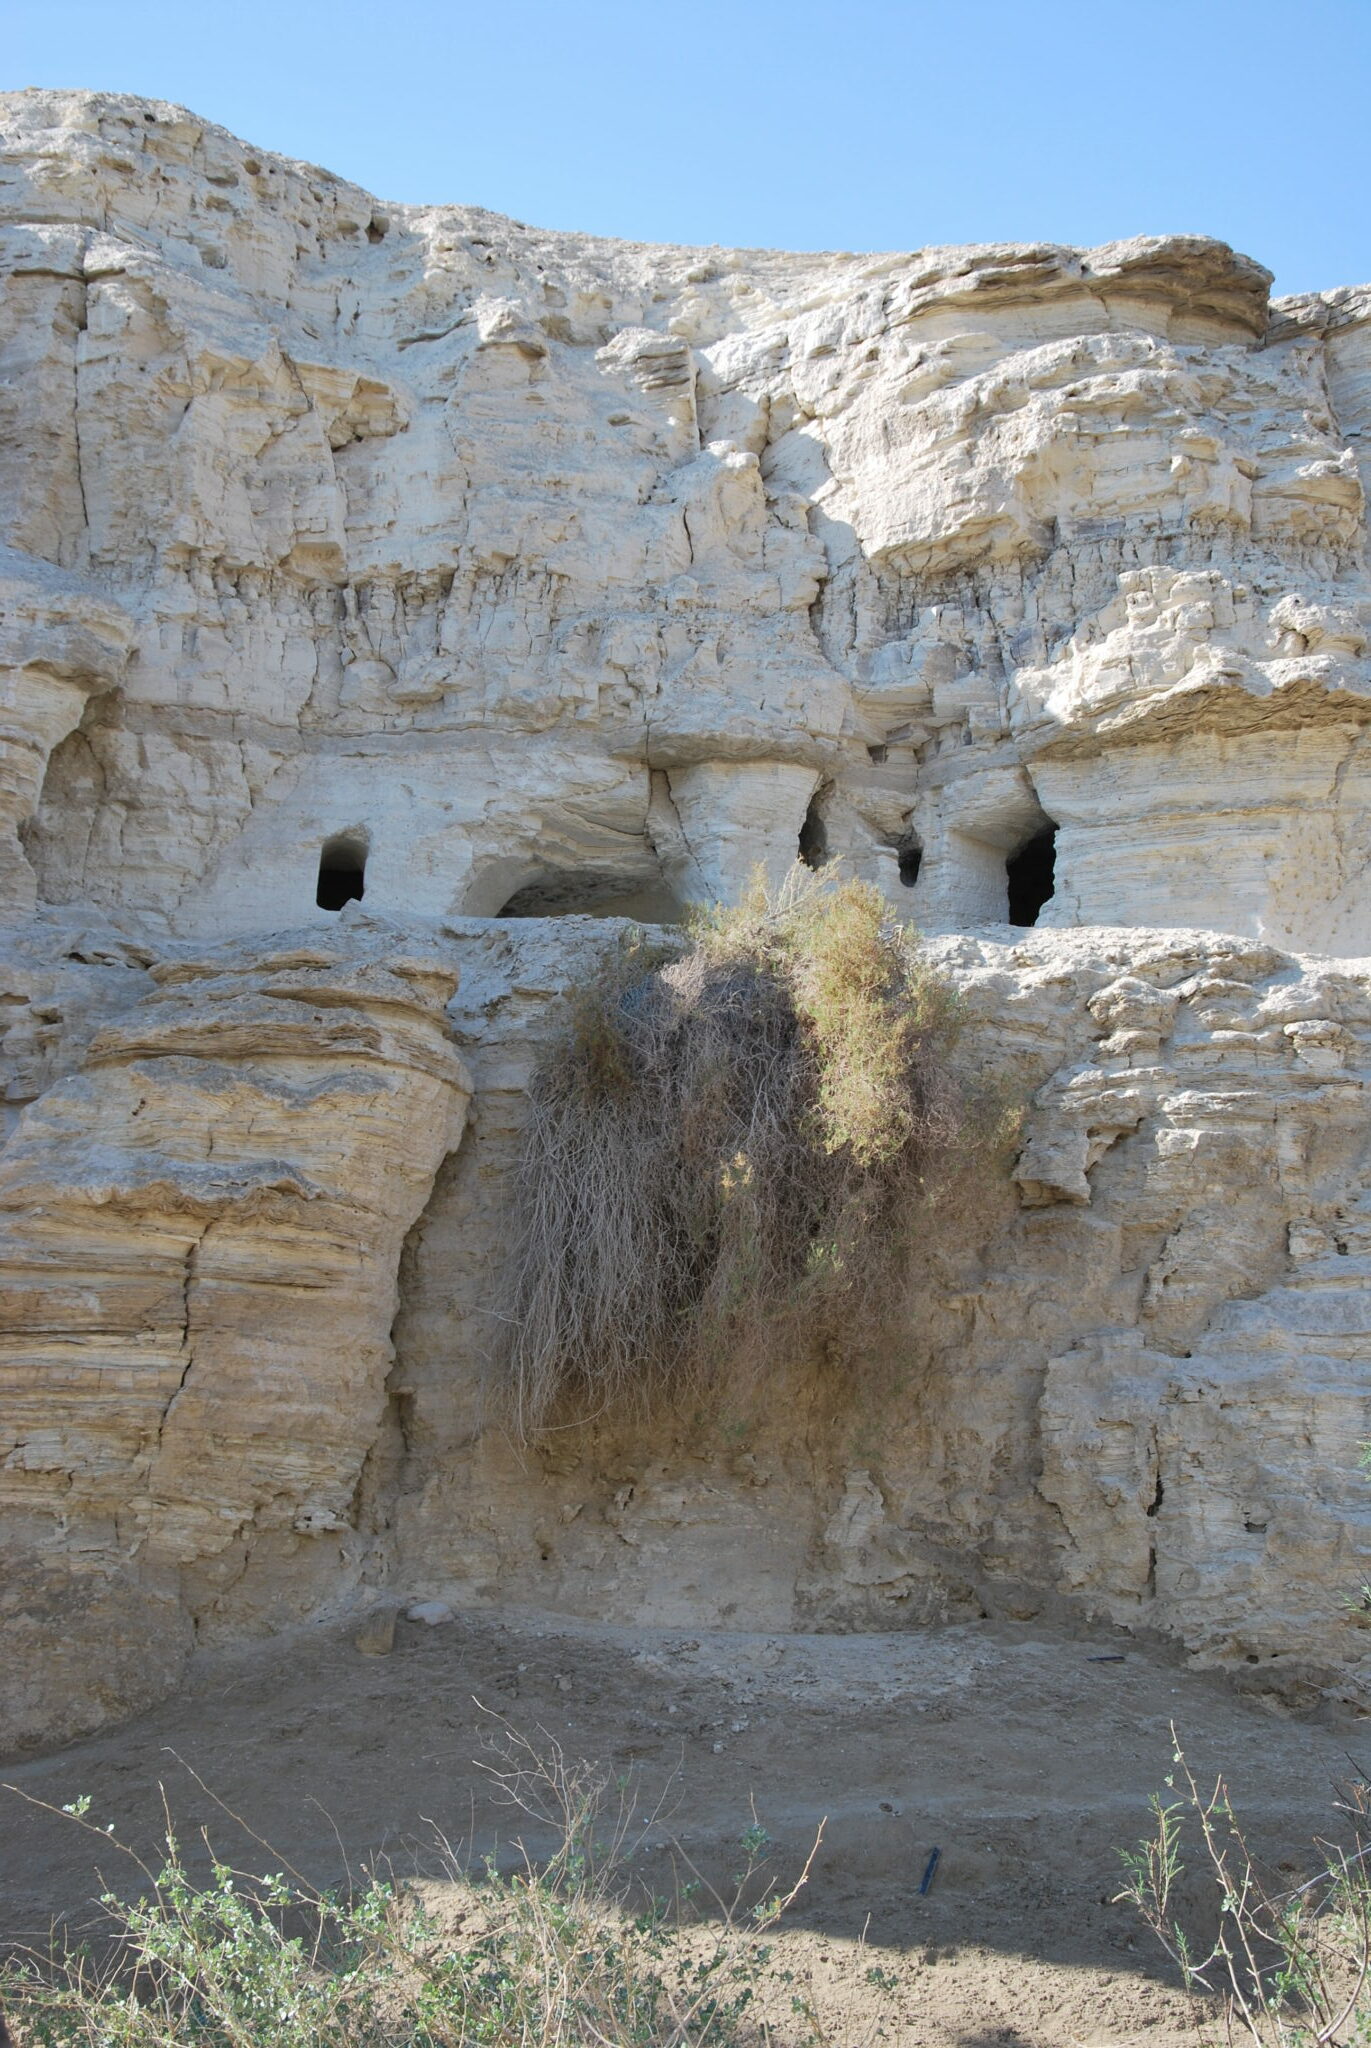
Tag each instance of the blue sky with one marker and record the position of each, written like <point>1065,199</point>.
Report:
<point>861,124</point>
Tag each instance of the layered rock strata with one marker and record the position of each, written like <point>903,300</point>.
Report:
<point>576,573</point>
<point>199,1235</point>
<point>514,582</point>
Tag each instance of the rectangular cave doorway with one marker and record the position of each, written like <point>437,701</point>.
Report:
<point>1032,875</point>
<point>342,871</point>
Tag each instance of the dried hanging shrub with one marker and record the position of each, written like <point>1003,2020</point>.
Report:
<point>726,1158</point>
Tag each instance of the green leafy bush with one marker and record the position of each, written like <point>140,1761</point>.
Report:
<point>560,1953</point>
<point>1284,1965</point>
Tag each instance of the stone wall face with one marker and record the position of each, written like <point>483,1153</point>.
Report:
<point>556,580</point>
<point>1136,1375</point>
<point>584,568</point>
<point>199,1236</point>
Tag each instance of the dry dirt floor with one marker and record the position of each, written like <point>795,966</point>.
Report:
<point>1016,1750</point>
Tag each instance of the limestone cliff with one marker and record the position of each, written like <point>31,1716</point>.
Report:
<point>198,1252</point>
<point>489,575</point>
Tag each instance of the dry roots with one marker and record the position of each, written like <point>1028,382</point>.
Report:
<point>726,1157</point>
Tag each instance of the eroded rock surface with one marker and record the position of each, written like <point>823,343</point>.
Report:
<point>491,575</point>
<point>1135,1377</point>
<point>579,570</point>
<point>199,1235</point>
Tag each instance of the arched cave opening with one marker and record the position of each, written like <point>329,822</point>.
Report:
<point>1032,875</point>
<point>814,837</point>
<point>342,871</point>
<point>571,893</point>
<point>910,857</point>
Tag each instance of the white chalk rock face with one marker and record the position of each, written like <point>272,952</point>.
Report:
<point>199,1236</point>
<point>581,574</point>
<point>507,584</point>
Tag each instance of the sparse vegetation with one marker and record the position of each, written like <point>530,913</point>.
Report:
<point>560,1953</point>
<point>1288,1965</point>
<point>728,1154</point>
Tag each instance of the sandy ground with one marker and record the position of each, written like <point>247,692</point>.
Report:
<point>1009,1748</point>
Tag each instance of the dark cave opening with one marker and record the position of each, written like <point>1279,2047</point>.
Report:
<point>342,872</point>
<point>570,893</point>
<point>910,857</point>
<point>814,837</point>
<point>1031,873</point>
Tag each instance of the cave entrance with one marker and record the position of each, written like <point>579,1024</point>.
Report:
<point>567,893</point>
<point>342,871</point>
<point>909,856</point>
<point>1032,875</point>
<point>814,837</point>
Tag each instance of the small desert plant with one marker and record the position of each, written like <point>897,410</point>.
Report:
<point>727,1155</point>
<point>557,1954</point>
<point>1288,1966</point>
